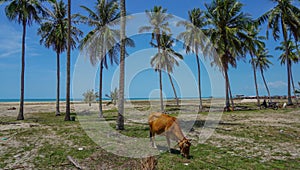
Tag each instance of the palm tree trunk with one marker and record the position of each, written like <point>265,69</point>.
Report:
<point>160,92</point>
<point>266,85</point>
<point>120,120</point>
<point>160,73</point>
<point>174,90</point>
<point>199,83</point>
<point>293,85</point>
<point>230,94</point>
<point>227,104</point>
<point>284,31</point>
<point>289,82</point>
<point>255,83</point>
<point>21,110</point>
<point>67,116</point>
<point>57,83</point>
<point>100,89</point>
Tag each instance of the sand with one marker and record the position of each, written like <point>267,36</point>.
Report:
<point>42,107</point>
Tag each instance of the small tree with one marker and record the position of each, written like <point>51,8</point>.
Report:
<point>113,96</point>
<point>89,96</point>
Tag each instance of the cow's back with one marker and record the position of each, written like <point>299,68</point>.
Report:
<point>153,116</point>
<point>160,122</point>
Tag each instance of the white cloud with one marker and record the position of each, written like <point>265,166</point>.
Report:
<point>10,41</point>
<point>277,84</point>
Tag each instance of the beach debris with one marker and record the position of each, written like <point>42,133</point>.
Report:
<point>284,105</point>
<point>18,155</point>
<point>74,162</point>
<point>12,108</point>
<point>4,138</point>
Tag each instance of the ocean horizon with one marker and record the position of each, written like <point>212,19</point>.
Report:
<point>78,100</point>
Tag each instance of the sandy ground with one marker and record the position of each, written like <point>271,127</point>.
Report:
<point>248,134</point>
<point>6,109</point>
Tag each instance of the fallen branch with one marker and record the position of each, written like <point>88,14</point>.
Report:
<point>74,162</point>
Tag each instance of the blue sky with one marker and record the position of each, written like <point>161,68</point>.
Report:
<point>40,75</point>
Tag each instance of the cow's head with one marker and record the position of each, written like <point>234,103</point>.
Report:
<point>184,146</point>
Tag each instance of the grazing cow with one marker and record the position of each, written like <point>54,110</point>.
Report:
<point>161,123</point>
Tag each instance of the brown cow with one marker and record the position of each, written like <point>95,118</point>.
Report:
<point>161,123</point>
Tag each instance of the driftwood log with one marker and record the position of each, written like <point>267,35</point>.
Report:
<point>74,162</point>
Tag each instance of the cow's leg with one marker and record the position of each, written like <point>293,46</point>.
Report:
<point>168,141</point>
<point>152,137</point>
<point>153,140</point>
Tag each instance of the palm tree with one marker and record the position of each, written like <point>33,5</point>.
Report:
<point>289,59</point>
<point>68,109</point>
<point>193,39</point>
<point>24,12</point>
<point>100,43</point>
<point>263,63</point>
<point>120,120</point>
<point>227,26</point>
<point>166,59</point>
<point>158,19</point>
<point>286,15</point>
<point>53,32</point>
<point>253,42</point>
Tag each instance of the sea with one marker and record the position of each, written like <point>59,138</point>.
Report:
<point>38,100</point>
<point>78,100</point>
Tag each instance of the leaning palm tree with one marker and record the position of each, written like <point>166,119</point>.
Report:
<point>286,16</point>
<point>167,59</point>
<point>253,43</point>
<point>100,43</point>
<point>54,32</point>
<point>227,26</point>
<point>24,12</point>
<point>158,19</point>
<point>262,63</point>
<point>289,59</point>
<point>193,39</point>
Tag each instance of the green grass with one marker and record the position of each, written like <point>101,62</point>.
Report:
<point>51,139</point>
<point>209,157</point>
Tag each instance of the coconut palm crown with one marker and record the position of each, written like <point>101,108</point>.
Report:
<point>227,27</point>
<point>24,12</point>
<point>100,43</point>
<point>283,18</point>
<point>53,32</point>
<point>194,40</point>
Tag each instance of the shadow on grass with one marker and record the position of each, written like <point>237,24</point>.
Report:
<point>201,123</point>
